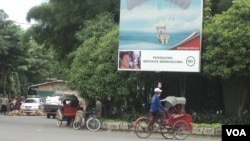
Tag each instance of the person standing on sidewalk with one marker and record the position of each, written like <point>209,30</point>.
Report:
<point>98,107</point>
<point>1,96</point>
<point>4,103</point>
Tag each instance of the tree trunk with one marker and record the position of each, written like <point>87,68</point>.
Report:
<point>236,95</point>
<point>182,83</point>
<point>243,98</point>
<point>2,74</point>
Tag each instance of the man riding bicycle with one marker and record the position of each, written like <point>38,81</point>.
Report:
<point>156,108</point>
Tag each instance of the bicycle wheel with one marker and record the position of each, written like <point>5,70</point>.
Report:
<point>77,125</point>
<point>143,129</point>
<point>181,130</point>
<point>93,124</point>
<point>167,132</point>
<point>59,123</point>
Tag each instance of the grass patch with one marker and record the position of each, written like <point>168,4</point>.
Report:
<point>205,125</point>
<point>195,125</point>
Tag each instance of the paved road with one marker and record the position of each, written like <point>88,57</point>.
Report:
<point>39,128</point>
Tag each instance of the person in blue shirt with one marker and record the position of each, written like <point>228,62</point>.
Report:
<point>155,107</point>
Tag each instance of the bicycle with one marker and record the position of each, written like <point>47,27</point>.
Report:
<point>88,120</point>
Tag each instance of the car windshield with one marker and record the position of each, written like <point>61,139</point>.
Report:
<point>31,101</point>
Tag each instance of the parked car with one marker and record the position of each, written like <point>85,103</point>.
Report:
<point>30,105</point>
<point>51,105</point>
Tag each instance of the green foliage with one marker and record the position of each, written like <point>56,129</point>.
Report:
<point>22,61</point>
<point>219,6</point>
<point>220,119</point>
<point>94,71</point>
<point>226,48</point>
<point>70,31</point>
<point>11,85</point>
<point>206,125</point>
<point>12,55</point>
<point>41,64</point>
<point>58,21</point>
<point>207,9</point>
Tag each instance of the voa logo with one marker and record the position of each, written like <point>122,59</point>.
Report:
<point>236,132</point>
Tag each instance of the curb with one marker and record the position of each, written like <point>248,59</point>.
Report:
<point>123,126</point>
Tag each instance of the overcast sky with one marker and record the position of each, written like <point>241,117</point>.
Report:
<point>17,10</point>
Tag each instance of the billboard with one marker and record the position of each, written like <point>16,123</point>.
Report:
<point>160,35</point>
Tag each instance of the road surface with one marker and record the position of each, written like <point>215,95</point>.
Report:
<point>39,128</point>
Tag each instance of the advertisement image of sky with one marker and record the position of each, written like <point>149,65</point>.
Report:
<point>160,24</point>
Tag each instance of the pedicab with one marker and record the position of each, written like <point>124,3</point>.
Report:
<point>177,121</point>
<point>67,111</point>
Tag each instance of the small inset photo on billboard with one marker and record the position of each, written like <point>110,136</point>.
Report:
<point>129,60</point>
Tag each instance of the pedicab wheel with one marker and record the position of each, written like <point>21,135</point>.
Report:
<point>142,128</point>
<point>93,124</point>
<point>77,125</point>
<point>167,132</point>
<point>181,130</point>
<point>59,123</point>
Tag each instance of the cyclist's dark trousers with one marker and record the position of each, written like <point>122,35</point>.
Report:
<point>158,114</point>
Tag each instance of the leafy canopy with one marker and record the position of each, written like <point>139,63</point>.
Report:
<point>226,42</point>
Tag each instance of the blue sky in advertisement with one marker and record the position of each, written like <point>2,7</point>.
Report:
<point>142,21</point>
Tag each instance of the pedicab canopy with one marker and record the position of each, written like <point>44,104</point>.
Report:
<point>172,101</point>
<point>72,98</point>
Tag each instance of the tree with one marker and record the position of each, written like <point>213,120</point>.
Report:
<point>41,64</point>
<point>226,47</point>
<point>218,6</point>
<point>94,67</point>
<point>12,55</point>
<point>22,61</point>
<point>58,21</point>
